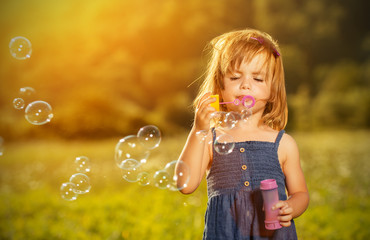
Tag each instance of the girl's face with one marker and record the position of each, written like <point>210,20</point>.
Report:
<point>248,79</point>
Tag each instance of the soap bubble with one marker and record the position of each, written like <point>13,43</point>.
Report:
<point>218,118</point>
<point>130,147</point>
<point>224,144</point>
<point>82,183</point>
<point>231,118</point>
<point>225,120</point>
<point>178,176</point>
<point>68,191</point>
<point>83,164</point>
<point>143,178</point>
<point>130,164</point>
<point>18,103</point>
<point>38,112</point>
<point>161,179</point>
<point>149,136</point>
<point>246,114</point>
<point>26,91</point>
<point>203,134</point>
<point>131,175</point>
<point>20,48</point>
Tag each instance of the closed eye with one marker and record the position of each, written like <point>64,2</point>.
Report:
<point>234,78</point>
<point>258,79</point>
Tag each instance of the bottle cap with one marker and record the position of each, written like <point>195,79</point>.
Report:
<point>268,184</point>
<point>216,104</point>
<point>272,225</point>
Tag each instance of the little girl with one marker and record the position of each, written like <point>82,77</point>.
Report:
<point>246,62</point>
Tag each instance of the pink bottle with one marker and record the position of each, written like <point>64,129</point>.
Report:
<point>270,195</point>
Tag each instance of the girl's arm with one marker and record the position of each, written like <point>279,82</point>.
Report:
<point>196,153</point>
<point>298,197</point>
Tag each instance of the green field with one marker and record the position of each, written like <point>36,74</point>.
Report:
<point>336,166</point>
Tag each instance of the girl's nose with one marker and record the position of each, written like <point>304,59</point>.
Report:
<point>246,83</point>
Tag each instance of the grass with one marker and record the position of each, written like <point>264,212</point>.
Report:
<point>336,167</point>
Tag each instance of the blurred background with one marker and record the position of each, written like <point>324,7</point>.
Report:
<point>108,68</point>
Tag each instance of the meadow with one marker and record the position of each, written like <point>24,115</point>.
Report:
<point>335,163</point>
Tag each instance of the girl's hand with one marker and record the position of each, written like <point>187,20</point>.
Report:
<point>285,213</point>
<point>203,113</point>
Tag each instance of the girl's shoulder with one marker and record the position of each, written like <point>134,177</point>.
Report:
<point>288,148</point>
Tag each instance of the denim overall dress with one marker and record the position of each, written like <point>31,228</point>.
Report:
<point>235,204</point>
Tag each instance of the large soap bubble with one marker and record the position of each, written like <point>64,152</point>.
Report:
<point>179,175</point>
<point>20,48</point>
<point>130,147</point>
<point>38,112</point>
<point>149,136</point>
<point>224,144</point>
<point>129,164</point>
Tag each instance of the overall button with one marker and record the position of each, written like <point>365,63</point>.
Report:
<point>242,149</point>
<point>244,167</point>
<point>246,183</point>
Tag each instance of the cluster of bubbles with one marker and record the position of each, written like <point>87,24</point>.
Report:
<point>132,152</point>
<point>36,112</point>
<point>79,183</point>
<point>223,121</point>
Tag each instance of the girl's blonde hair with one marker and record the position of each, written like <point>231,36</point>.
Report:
<point>229,50</point>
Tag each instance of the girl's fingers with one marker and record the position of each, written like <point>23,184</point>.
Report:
<point>285,211</point>
<point>201,100</point>
<point>286,224</point>
<point>281,205</point>
<point>206,100</point>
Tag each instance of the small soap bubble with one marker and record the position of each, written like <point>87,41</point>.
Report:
<point>203,134</point>
<point>82,183</point>
<point>131,175</point>
<point>224,144</point>
<point>246,114</point>
<point>231,120</point>
<point>26,91</point>
<point>68,191</point>
<point>38,112</point>
<point>82,164</point>
<point>218,117</point>
<point>20,48</point>
<point>161,179</point>
<point>130,147</point>
<point>18,103</point>
<point>149,136</point>
<point>179,175</point>
<point>143,178</point>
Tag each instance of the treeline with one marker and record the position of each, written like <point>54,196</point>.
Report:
<point>108,68</point>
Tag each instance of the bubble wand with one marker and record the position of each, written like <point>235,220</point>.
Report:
<point>244,101</point>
